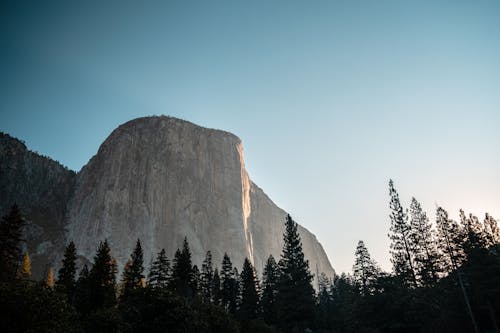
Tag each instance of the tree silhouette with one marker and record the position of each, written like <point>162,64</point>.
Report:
<point>249,307</point>
<point>11,241</point>
<point>159,273</point>
<point>295,292</point>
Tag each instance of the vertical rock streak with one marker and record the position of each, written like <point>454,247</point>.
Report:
<point>245,204</point>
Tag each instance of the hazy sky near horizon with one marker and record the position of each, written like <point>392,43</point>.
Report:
<point>330,98</point>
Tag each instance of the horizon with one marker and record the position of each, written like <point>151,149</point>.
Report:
<point>330,101</point>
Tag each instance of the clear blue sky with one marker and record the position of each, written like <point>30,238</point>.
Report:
<point>330,98</point>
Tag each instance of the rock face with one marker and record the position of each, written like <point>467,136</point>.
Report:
<point>161,179</point>
<point>41,187</point>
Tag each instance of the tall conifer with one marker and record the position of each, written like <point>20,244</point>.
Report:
<point>182,272</point>
<point>423,243</point>
<point>295,292</point>
<point>66,278</point>
<point>400,235</point>
<point>365,270</point>
<point>11,241</point>
<point>249,307</point>
<point>159,273</point>
<point>270,278</point>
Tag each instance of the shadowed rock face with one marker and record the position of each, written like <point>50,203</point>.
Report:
<point>161,179</point>
<point>41,187</point>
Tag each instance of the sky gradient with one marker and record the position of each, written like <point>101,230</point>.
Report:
<point>330,98</point>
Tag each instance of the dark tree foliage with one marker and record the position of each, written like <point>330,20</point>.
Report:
<point>296,301</point>
<point>216,289</point>
<point>133,276</point>
<point>102,277</point>
<point>270,291</point>
<point>366,271</point>
<point>159,274</point>
<point>182,272</point>
<point>423,243</point>
<point>30,307</point>
<point>400,235</point>
<point>449,241</point>
<point>195,282</point>
<point>456,291</point>
<point>207,278</point>
<point>67,273</point>
<point>249,307</point>
<point>324,301</point>
<point>229,285</point>
<point>11,241</point>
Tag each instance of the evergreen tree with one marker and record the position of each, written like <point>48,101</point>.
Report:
<point>295,292</point>
<point>422,239</point>
<point>182,272</point>
<point>195,282</point>
<point>207,277</point>
<point>11,241</point>
<point>365,270</point>
<point>449,241</point>
<point>102,277</point>
<point>82,299</point>
<point>49,279</point>
<point>324,301</point>
<point>216,289</point>
<point>400,234</point>
<point>270,291</point>
<point>133,276</point>
<point>67,273</point>
<point>473,231</point>
<point>229,285</point>
<point>491,230</point>
<point>24,272</point>
<point>159,273</point>
<point>249,307</point>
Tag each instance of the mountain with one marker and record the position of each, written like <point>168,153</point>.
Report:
<point>42,188</point>
<point>161,179</point>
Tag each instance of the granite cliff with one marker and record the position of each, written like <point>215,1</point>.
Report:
<point>161,179</point>
<point>41,187</point>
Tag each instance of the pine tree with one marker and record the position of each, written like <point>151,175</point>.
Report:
<point>365,270</point>
<point>295,292</point>
<point>270,291</point>
<point>491,230</point>
<point>216,289</point>
<point>133,273</point>
<point>195,281</point>
<point>473,231</point>
<point>325,304</point>
<point>24,272</point>
<point>229,285</point>
<point>422,241</point>
<point>67,273</point>
<point>449,241</point>
<point>11,241</point>
<point>400,233</point>
<point>102,277</point>
<point>82,299</point>
<point>207,277</point>
<point>182,272</point>
<point>249,307</point>
<point>159,273</point>
<point>49,279</point>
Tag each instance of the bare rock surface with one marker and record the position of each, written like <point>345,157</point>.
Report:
<point>161,179</point>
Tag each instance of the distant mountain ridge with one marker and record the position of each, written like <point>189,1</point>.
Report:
<point>158,179</point>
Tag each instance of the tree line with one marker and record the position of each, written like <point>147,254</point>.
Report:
<point>445,278</point>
